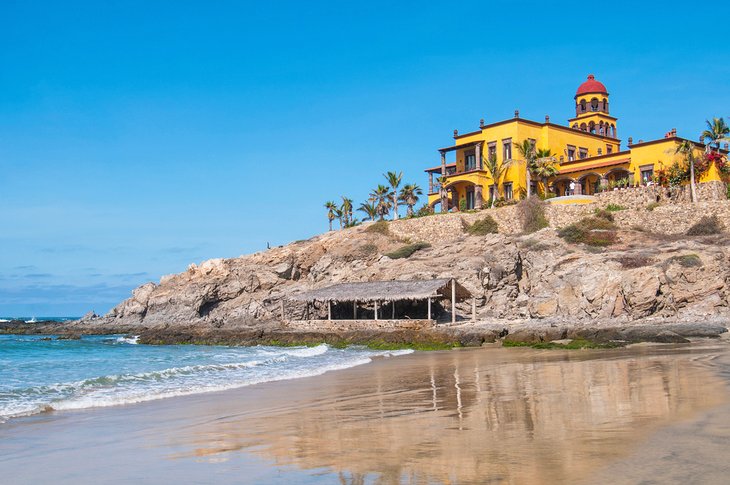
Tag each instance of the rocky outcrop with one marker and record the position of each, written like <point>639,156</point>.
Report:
<point>513,277</point>
<point>517,280</point>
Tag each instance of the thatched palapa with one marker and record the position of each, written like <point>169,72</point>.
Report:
<point>369,291</point>
<point>387,294</point>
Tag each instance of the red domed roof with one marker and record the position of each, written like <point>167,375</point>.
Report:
<point>591,86</point>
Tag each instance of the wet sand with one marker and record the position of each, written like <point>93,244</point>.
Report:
<point>648,414</point>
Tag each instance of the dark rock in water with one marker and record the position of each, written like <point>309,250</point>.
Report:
<point>70,337</point>
<point>667,337</point>
<point>696,329</point>
<point>537,335</point>
<point>653,333</point>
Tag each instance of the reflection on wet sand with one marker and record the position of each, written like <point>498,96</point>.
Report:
<point>481,416</point>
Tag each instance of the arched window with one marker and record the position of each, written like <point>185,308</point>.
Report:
<point>613,131</point>
<point>605,105</point>
<point>583,127</point>
<point>594,104</point>
<point>601,128</point>
<point>575,126</point>
<point>592,127</point>
<point>583,105</point>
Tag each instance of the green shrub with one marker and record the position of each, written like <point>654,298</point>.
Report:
<point>686,260</point>
<point>368,249</point>
<point>706,226</point>
<point>425,210</point>
<point>462,205</point>
<point>652,206</point>
<point>407,250</point>
<point>380,227</point>
<point>630,261</point>
<point>481,227</point>
<point>591,231</point>
<point>531,212</point>
<point>728,191</point>
<point>615,208</point>
<point>604,214</point>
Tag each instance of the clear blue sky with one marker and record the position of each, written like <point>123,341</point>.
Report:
<point>138,138</point>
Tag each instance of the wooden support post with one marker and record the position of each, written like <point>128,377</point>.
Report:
<point>376,310</point>
<point>329,310</point>
<point>474,309</point>
<point>354,310</point>
<point>429,308</point>
<point>453,300</point>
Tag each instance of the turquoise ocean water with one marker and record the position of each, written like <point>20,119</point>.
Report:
<point>39,374</point>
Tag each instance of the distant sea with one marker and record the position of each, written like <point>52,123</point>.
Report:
<point>38,319</point>
<point>41,373</point>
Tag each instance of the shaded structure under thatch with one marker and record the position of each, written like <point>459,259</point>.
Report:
<point>411,297</point>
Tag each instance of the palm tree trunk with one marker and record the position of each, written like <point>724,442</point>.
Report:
<point>692,191</point>
<point>395,205</point>
<point>495,194</point>
<point>330,221</point>
<point>527,167</point>
<point>545,186</point>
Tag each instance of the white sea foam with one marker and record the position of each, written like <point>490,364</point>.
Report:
<point>134,340</point>
<point>264,364</point>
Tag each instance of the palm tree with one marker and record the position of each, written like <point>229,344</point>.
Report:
<point>717,132</point>
<point>369,209</point>
<point>346,209</point>
<point>686,149</point>
<point>527,149</point>
<point>394,181</point>
<point>545,166</point>
<point>496,170</point>
<point>331,212</point>
<point>409,196</point>
<point>381,198</point>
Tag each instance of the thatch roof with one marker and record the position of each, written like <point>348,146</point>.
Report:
<point>385,291</point>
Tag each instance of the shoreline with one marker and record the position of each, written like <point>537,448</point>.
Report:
<point>361,421</point>
<point>439,337</point>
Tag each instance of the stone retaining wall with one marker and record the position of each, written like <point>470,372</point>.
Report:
<point>669,217</point>
<point>640,197</point>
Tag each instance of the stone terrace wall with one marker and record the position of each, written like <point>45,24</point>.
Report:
<point>640,197</point>
<point>668,218</point>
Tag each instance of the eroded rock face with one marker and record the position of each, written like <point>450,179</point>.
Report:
<point>537,277</point>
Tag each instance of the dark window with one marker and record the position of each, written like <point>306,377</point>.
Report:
<point>492,149</point>
<point>582,153</point>
<point>507,149</point>
<point>609,149</point>
<point>469,199</point>
<point>594,104</point>
<point>605,105</point>
<point>508,191</point>
<point>647,174</point>
<point>583,105</point>
<point>571,153</point>
<point>471,162</point>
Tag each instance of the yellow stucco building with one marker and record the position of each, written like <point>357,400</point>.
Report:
<point>586,152</point>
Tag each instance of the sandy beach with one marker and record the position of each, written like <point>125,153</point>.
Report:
<point>646,414</point>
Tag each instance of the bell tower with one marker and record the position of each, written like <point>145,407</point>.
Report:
<point>591,109</point>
